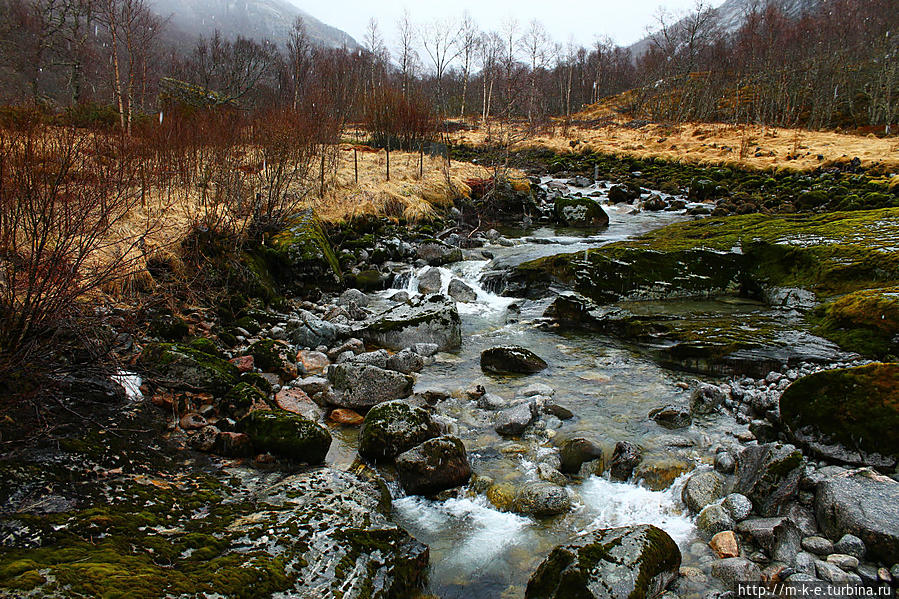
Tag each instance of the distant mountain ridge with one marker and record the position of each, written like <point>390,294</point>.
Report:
<point>730,16</point>
<point>257,19</point>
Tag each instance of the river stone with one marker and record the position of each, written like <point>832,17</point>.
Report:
<point>372,358</point>
<point>511,359</point>
<point>436,253</point>
<point>706,399</point>
<point>430,281</point>
<point>576,451</point>
<point>701,489</point>
<point>738,506</point>
<point>725,544</point>
<point>671,416</point>
<point>579,212</point>
<point>308,330</point>
<point>850,545</point>
<point>460,291</point>
<point>361,386</point>
<point>850,416</point>
<point>541,389</point>
<point>287,435</point>
<point>761,531</point>
<point>393,427</point>
<point>724,462</point>
<point>433,466</point>
<point>511,422</point>
<point>406,361</point>
<point>181,367</point>
<point>625,458</point>
<point>787,542</point>
<point>863,504</point>
<point>353,296</point>
<point>817,545</point>
<point>769,475</point>
<point>619,194</point>
<point>431,319</point>
<point>541,498</point>
<point>712,520</point>
<point>548,473</point>
<point>734,570</point>
<point>634,562</point>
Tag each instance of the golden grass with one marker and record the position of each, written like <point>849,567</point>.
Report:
<point>748,146</point>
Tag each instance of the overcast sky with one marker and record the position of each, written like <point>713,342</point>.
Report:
<point>625,21</point>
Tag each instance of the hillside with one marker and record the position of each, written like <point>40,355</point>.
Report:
<point>257,19</point>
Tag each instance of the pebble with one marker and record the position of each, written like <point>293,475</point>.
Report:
<point>725,545</point>
<point>843,561</point>
<point>850,545</point>
<point>724,462</point>
<point>817,545</point>
<point>738,506</point>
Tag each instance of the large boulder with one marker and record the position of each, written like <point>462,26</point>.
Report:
<point>864,504</point>
<point>769,475</point>
<point>634,562</point>
<point>287,435</point>
<point>430,319</point>
<point>512,359</point>
<point>579,212</point>
<point>392,428</point>
<point>361,386</point>
<point>306,254</point>
<point>437,253</point>
<point>460,291</point>
<point>433,466</point>
<point>180,367</point>
<point>849,415</point>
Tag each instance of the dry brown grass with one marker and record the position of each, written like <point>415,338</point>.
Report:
<point>749,146</point>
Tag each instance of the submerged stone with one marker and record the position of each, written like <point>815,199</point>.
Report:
<point>511,359</point>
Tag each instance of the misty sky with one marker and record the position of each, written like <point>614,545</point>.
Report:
<point>624,21</point>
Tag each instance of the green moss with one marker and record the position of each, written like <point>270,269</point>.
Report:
<point>271,356</point>
<point>238,401</point>
<point>180,366</point>
<point>306,254</point>
<point>207,346</point>
<point>856,409</point>
<point>864,321</point>
<point>288,435</point>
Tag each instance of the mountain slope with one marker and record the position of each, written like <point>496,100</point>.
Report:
<point>730,16</point>
<point>257,19</point>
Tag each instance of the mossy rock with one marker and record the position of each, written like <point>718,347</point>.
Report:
<point>181,367</point>
<point>848,415</point>
<point>392,427</point>
<point>580,212</point>
<point>207,346</point>
<point>243,396</point>
<point>865,321</point>
<point>271,355</point>
<point>257,380</point>
<point>168,327</point>
<point>635,562</point>
<point>307,255</point>
<point>287,435</point>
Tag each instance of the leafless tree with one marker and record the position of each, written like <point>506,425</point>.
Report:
<point>439,41</point>
<point>468,42</point>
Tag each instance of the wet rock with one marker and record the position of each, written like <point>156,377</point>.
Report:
<point>769,475</point>
<point>312,385</point>
<point>850,545</point>
<point>511,359</point>
<point>180,367</point>
<point>805,563</point>
<point>557,410</point>
<point>579,212</point>
<point>761,531</point>
<point>817,545</point>
<point>393,427</point>
<point>406,361</point>
<point>511,422</point>
<point>659,473</point>
<point>735,570</point>
<point>725,463</point>
<point>654,203</point>
<point>346,417</point>
<point>400,297</point>
<point>725,545</point>
<point>192,421</point>
<point>843,561</point>
<point>373,358</point>
<point>491,401</point>
<point>738,506</point>
<point>438,254</point>
<point>848,415</point>
<point>712,520</point>
<point>308,330</point>
<point>787,541</point>
<point>430,281</point>
<point>832,573</point>
<point>624,459</point>
<point>635,562</point>
<point>295,401</point>
<point>243,363</point>
<point>353,296</point>
<point>548,473</point>
<point>425,350</point>
<point>576,451</point>
<point>287,435</point>
<point>432,319</point>
<point>706,399</point>
<point>352,345</point>
<point>305,249</point>
<point>233,445</point>
<point>863,504</point>
<point>671,416</point>
<point>361,386</point>
<point>802,517</point>
<point>461,291</point>
<point>619,194</point>
<point>701,489</point>
<point>541,498</point>
<point>272,355</point>
<point>205,439</point>
<point>433,466</point>
<point>312,362</point>
<point>533,389</point>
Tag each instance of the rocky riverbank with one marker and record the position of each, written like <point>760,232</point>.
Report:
<point>296,442</point>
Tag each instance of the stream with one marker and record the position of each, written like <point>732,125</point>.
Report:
<point>476,549</point>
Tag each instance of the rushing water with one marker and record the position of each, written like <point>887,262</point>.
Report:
<point>479,551</point>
